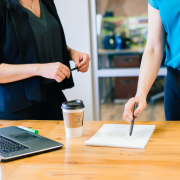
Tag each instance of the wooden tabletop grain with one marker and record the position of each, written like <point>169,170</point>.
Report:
<point>160,160</point>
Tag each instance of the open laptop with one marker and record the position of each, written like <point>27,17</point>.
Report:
<point>16,143</point>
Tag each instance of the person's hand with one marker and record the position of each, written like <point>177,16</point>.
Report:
<point>81,60</point>
<point>57,71</point>
<point>129,107</point>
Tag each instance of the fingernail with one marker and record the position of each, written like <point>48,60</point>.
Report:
<point>135,113</point>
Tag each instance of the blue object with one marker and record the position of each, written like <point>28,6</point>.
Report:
<point>108,14</point>
<point>169,11</point>
<point>118,42</point>
<point>108,42</point>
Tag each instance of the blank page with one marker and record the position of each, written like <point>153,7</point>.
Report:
<point>117,135</point>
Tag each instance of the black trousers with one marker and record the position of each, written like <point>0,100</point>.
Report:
<point>172,95</point>
<point>48,110</point>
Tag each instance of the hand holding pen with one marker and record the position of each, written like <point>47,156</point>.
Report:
<point>129,107</point>
<point>81,60</point>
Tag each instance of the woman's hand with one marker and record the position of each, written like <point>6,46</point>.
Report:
<point>81,60</point>
<point>129,107</point>
<point>57,71</point>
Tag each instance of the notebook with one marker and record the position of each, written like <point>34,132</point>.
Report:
<point>117,135</point>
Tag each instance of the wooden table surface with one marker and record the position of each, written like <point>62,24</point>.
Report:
<point>159,160</point>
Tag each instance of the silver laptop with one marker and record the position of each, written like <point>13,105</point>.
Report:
<point>17,143</point>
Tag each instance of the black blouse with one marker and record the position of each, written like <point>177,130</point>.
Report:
<point>18,46</point>
<point>47,35</point>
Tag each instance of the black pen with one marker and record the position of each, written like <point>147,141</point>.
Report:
<point>132,122</point>
<point>74,69</point>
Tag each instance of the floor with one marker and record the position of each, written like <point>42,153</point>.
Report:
<point>114,112</point>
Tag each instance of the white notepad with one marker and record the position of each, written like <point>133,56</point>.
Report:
<point>117,135</point>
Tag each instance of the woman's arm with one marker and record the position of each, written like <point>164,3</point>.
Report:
<point>151,62</point>
<point>58,71</point>
<point>11,73</point>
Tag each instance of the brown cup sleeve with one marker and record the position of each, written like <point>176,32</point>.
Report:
<point>73,120</point>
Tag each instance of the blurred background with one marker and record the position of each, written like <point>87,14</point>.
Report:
<point>114,33</point>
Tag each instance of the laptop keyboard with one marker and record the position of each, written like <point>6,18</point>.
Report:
<point>8,145</point>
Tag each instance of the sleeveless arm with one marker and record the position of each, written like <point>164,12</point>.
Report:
<point>154,4</point>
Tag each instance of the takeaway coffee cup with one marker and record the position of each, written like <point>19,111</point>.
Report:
<point>73,113</point>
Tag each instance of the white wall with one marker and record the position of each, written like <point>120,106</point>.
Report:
<point>74,15</point>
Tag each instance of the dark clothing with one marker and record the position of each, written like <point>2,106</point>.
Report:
<point>47,33</point>
<point>18,46</point>
<point>172,95</point>
<point>48,110</point>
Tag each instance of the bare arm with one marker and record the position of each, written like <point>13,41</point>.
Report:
<point>151,62</point>
<point>11,73</point>
<point>153,54</point>
<point>58,71</point>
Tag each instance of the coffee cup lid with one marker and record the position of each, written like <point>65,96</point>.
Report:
<point>71,105</point>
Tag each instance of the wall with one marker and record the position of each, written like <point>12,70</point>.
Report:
<point>74,15</point>
<point>123,7</point>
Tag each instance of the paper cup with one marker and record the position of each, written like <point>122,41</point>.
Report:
<point>73,113</point>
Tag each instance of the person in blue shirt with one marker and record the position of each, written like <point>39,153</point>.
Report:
<point>164,26</point>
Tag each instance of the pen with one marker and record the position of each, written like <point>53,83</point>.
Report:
<point>74,69</point>
<point>132,122</point>
<point>30,130</point>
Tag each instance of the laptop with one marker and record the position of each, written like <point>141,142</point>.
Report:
<point>17,143</point>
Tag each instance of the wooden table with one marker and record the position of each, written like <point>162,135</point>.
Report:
<point>159,160</point>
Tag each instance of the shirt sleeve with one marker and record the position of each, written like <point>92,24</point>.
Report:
<point>154,4</point>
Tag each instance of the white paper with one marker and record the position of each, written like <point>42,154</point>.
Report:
<point>117,135</point>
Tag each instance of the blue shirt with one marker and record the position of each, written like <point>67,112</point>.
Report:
<point>170,15</point>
